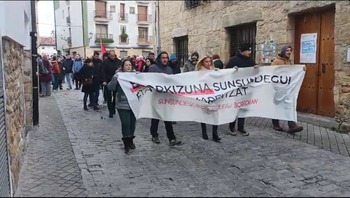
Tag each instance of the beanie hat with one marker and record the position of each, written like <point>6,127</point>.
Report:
<point>172,57</point>
<point>245,47</point>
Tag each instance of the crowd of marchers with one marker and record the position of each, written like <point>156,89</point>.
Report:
<point>101,73</point>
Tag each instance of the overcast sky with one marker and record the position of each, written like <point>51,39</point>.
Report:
<point>46,19</point>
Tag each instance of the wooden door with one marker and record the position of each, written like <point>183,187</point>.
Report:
<point>142,13</point>
<point>316,95</point>
<point>326,72</point>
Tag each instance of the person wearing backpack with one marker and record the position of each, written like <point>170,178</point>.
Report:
<point>45,77</point>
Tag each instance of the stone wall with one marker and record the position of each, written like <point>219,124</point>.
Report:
<point>14,59</point>
<point>28,89</point>
<point>206,25</point>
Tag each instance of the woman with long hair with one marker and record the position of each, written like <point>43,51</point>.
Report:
<point>206,64</point>
<point>127,117</point>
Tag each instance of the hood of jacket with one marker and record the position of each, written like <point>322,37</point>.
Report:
<point>158,61</point>
<point>283,51</point>
<point>200,65</point>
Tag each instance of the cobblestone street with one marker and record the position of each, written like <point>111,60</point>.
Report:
<point>266,163</point>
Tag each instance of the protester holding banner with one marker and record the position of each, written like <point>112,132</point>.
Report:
<point>162,66</point>
<point>241,60</point>
<point>206,64</point>
<point>127,117</point>
<point>284,59</point>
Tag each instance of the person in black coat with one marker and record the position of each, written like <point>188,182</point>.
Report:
<point>110,66</point>
<point>89,84</point>
<point>241,60</point>
<point>98,79</point>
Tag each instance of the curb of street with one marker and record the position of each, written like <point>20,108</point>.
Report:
<point>322,121</point>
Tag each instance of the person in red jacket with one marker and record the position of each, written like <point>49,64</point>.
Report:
<point>56,73</point>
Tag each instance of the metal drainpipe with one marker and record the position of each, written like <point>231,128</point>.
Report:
<point>82,20</point>
<point>35,79</point>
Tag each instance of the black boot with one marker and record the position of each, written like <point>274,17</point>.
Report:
<point>204,131</point>
<point>132,145</point>
<point>126,145</point>
<point>216,137</point>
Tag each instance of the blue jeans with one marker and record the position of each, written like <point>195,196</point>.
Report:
<point>69,79</point>
<point>55,81</point>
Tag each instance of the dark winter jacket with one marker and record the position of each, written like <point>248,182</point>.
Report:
<point>109,67</point>
<point>87,72</point>
<point>68,66</point>
<point>98,70</point>
<point>159,67</point>
<point>240,61</point>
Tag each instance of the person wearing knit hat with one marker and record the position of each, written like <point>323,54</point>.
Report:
<point>174,64</point>
<point>241,60</point>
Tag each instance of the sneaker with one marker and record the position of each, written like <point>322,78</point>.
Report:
<point>96,108</point>
<point>243,132</point>
<point>174,142</point>
<point>155,140</point>
<point>68,88</point>
<point>110,116</point>
<point>86,109</point>
<point>233,132</point>
<point>90,105</point>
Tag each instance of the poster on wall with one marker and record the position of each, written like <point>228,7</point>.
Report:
<point>308,48</point>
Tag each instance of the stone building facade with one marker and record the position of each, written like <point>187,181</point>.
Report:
<point>213,26</point>
<point>18,103</point>
<point>15,90</point>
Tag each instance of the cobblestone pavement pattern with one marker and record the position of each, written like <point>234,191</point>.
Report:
<point>266,163</point>
<point>50,167</point>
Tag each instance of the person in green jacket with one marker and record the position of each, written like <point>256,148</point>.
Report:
<point>127,117</point>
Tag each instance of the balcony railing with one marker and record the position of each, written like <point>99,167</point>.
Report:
<point>123,40</point>
<point>144,18</point>
<point>103,15</point>
<point>104,38</point>
<point>123,17</point>
<point>144,40</point>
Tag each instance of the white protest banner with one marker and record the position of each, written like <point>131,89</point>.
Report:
<point>215,97</point>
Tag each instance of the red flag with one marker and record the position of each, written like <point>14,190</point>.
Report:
<point>103,49</point>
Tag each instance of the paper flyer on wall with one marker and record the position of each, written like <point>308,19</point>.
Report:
<point>308,48</point>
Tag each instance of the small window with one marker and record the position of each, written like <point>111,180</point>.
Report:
<point>132,10</point>
<point>112,8</point>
